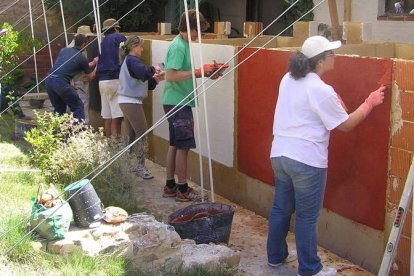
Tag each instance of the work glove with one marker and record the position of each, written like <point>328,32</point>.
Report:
<point>3,32</point>
<point>209,70</point>
<point>374,99</point>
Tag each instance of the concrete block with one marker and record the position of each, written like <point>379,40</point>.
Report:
<point>251,29</point>
<point>164,28</point>
<point>223,28</point>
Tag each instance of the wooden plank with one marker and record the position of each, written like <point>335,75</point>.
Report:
<point>348,10</point>
<point>333,12</point>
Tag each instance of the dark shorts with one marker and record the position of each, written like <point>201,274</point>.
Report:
<point>181,127</point>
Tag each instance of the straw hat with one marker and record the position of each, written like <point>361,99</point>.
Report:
<point>110,23</point>
<point>85,30</point>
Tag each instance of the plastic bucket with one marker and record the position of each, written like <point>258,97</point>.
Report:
<point>85,204</point>
<point>203,222</point>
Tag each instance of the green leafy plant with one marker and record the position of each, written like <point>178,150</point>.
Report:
<point>45,138</point>
<point>85,154</point>
<point>67,151</point>
<point>8,54</point>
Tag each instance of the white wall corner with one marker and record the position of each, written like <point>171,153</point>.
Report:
<point>367,31</point>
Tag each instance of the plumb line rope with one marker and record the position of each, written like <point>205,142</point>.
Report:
<point>30,90</point>
<point>172,111</point>
<point>4,234</point>
<point>8,73</point>
<point>194,80</point>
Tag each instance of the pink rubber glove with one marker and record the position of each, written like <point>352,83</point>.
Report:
<point>209,70</point>
<point>157,69</point>
<point>374,99</point>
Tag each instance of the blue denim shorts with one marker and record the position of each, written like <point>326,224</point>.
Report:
<point>181,127</point>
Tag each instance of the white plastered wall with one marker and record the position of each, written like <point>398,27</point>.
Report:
<point>219,98</point>
<point>367,12</point>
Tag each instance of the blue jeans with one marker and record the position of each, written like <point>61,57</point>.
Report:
<point>299,187</point>
<point>62,94</point>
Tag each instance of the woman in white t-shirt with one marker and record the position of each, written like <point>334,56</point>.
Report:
<point>307,110</point>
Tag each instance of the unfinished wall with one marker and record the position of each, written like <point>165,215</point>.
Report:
<point>368,11</point>
<point>401,153</point>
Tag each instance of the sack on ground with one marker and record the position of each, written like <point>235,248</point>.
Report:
<point>54,222</point>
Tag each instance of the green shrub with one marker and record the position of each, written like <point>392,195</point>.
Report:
<point>45,138</point>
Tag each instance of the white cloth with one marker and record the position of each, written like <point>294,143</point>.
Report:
<point>109,99</point>
<point>306,111</point>
<point>412,11</point>
<point>398,8</point>
<point>125,99</point>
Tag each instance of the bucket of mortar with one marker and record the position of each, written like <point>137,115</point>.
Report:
<point>203,222</point>
<point>85,203</point>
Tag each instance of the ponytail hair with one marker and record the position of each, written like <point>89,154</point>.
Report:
<point>125,47</point>
<point>299,65</point>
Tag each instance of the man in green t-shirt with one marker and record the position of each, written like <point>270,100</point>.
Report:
<point>178,85</point>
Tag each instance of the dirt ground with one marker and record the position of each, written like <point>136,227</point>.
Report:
<point>248,235</point>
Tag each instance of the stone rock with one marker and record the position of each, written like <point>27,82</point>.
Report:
<point>209,256</point>
<point>147,244</point>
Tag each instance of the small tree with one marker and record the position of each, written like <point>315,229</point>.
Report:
<point>8,53</point>
<point>138,18</point>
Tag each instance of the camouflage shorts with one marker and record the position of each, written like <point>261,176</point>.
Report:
<point>181,127</point>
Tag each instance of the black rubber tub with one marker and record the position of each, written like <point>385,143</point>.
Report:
<point>85,203</point>
<point>204,222</point>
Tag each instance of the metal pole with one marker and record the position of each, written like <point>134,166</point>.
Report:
<point>64,23</point>
<point>96,25</point>
<point>200,47</point>
<point>34,48</point>
<point>195,99</point>
<point>47,34</point>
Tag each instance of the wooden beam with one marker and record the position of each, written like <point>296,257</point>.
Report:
<point>333,12</point>
<point>348,10</point>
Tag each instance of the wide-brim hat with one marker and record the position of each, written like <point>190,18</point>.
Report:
<point>85,30</point>
<point>110,23</point>
<point>317,44</point>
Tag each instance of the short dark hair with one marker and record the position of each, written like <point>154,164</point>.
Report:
<point>79,40</point>
<point>192,17</point>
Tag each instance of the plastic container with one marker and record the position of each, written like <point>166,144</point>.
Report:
<point>85,203</point>
<point>203,222</point>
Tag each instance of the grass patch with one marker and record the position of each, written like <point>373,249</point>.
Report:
<point>78,263</point>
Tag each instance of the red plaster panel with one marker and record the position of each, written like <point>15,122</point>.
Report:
<point>357,173</point>
<point>259,79</point>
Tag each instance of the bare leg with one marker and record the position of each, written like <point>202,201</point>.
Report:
<point>116,127</point>
<point>171,156</point>
<point>181,165</point>
<point>107,127</point>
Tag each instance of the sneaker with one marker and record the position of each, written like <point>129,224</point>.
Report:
<point>144,173</point>
<point>326,271</point>
<point>290,258</point>
<point>170,192</point>
<point>190,195</point>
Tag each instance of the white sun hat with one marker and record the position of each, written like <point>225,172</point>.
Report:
<point>317,44</point>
